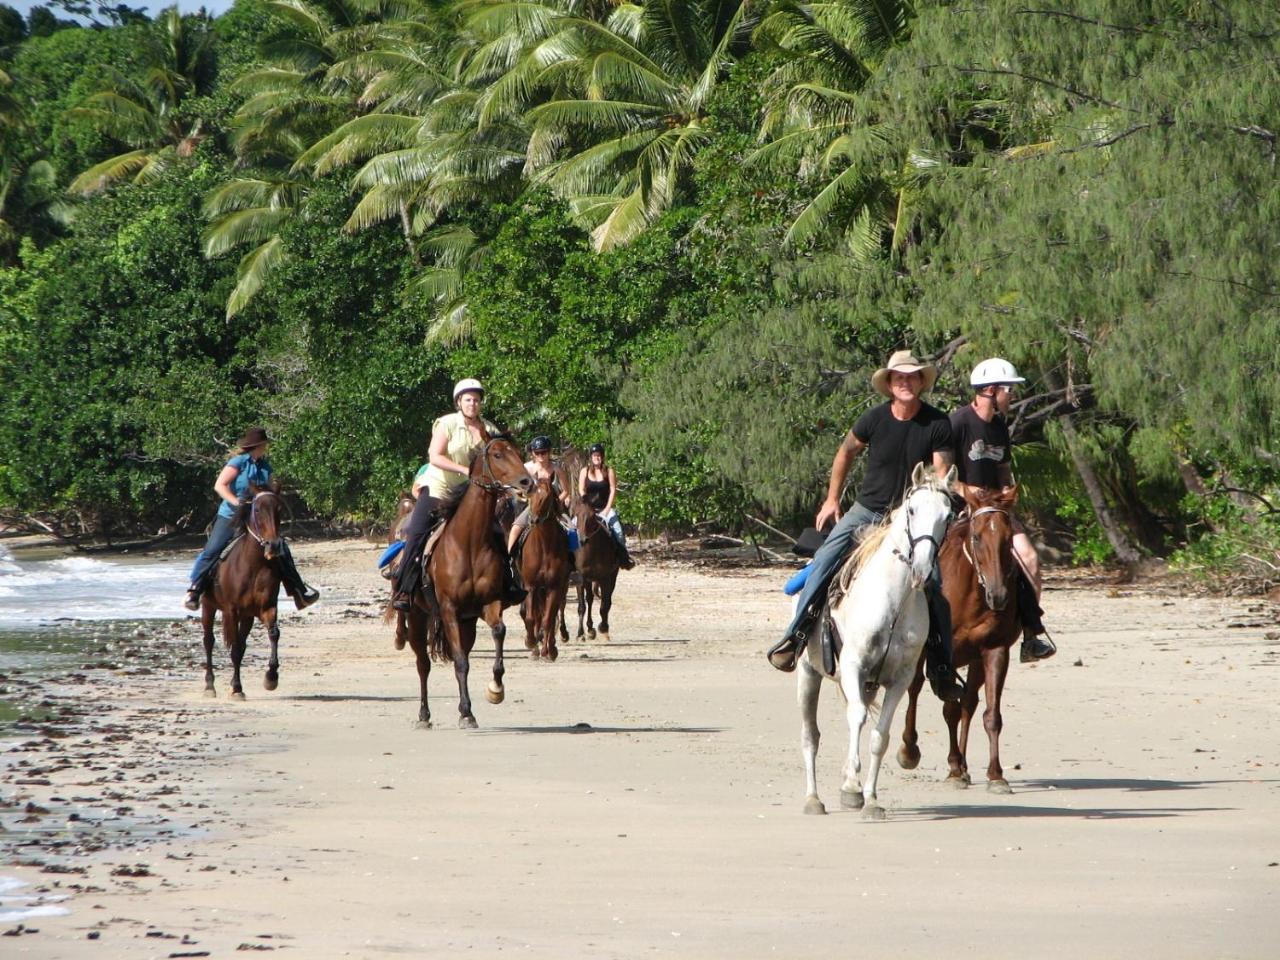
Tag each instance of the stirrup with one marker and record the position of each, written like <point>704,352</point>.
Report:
<point>305,597</point>
<point>944,683</point>
<point>402,601</point>
<point>1035,648</point>
<point>192,602</point>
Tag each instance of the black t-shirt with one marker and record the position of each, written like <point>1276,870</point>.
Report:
<point>981,447</point>
<point>894,447</point>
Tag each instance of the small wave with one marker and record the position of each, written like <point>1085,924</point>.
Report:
<point>82,588</point>
<point>15,906</point>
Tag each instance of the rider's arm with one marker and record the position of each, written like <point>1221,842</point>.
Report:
<point>613,490</point>
<point>582,482</point>
<point>840,464</point>
<point>438,456</point>
<point>223,485</point>
<point>563,480</point>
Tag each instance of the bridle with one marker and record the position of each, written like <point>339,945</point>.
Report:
<point>909,557</point>
<point>970,544</point>
<point>251,526</point>
<point>489,482</point>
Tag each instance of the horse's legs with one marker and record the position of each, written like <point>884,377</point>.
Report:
<point>606,603</point>
<point>808,686</point>
<point>958,716</point>
<point>851,794</point>
<point>550,610</point>
<point>415,628</point>
<point>909,752</point>
<point>564,601</point>
<point>239,641</point>
<point>528,614</point>
<point>461,637</point>
<point>493,617</point>
<point>877,748</point>
<point>206,622</point>
<point>996,662</point>
<point>272,679</point>
<point>584,590</point>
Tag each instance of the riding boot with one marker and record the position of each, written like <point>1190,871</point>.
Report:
<point>512,592</point>
<point>937,651</point>
<point>785,654</point>
<point>407,581</point>
<point>303,595</point>
<point>624,558</point>
<point>1036,644</point>
<point>192,601</point>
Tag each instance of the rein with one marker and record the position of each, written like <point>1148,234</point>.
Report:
<point>250,527</point>
<point>972,539</point>
<point>492,484</point>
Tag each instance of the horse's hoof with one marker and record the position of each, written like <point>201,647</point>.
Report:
<point>851,800</point>
<point>422,725</point>
<point>399,643</point>
<point>591,634</point>
<point>210,692</point>
<point>813,807</point>
<point>552,654</point>
<point>467,723</point>
<point>271,681</point>
<point>237,694</point>
<point>908,757</point>
<point>873,812</point>
<point>960,782</point>
<point>604,636</point>
<point>494,693</point>
<point>530,644</point>
<point>999,786</point>
<point>580,637</point>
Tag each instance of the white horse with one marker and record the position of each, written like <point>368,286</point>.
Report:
<point>883,620</point>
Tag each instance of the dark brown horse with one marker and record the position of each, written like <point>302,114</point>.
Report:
<point>545,565</point>
<point>978,570</point>
<point>465,571</point>
<point>598,565</point>
<point>245,587</point>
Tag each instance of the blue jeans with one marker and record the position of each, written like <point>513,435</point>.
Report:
<point>615,528</point>
<point>843,537</point>
<point>221,534</point>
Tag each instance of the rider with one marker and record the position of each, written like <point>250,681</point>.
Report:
<point>541,467</point>
<point>897,435</point>
<point>982,444</point>
<point>455,440</point>
<point>248,465</point>
<point>598,487</point>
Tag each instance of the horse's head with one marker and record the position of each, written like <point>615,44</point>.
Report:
<point>264,519</point>
<point>544,503</point>
<point>928,512</point>
<point>989,543</point>
<point>500,467</point>
<point>404,507</point>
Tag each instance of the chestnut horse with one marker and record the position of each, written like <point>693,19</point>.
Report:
<point>465,574</point>
<point>598,565</point>
<point>978,570</point>
<point>545,565</point>
<point>244,588</point>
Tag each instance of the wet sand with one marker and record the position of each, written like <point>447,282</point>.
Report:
<point>643,797</point>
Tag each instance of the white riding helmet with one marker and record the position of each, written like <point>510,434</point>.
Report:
<point>466,386</point>
<point>994,371</point>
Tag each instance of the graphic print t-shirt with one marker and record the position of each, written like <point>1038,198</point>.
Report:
<point>894,447</point>
<point>981,447</point>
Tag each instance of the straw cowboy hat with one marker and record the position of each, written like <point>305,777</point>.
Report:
<point>904,361</point>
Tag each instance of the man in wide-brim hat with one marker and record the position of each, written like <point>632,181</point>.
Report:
<point>896,436</point>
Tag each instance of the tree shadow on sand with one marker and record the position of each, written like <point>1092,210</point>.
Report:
<point>1124,783</point>
<point>580,728</point>
<point>1018,811</point>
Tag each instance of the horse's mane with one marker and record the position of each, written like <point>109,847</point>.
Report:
<point>450,502</point>
<point>864,551</point>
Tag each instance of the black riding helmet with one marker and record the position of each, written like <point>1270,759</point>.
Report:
<point>596,448</point>
<point>540,444</point>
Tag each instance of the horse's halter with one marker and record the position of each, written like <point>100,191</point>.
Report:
<point>912,539</point>
<point>492,484</point>
<point>970,544</point>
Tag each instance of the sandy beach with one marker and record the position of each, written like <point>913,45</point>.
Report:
<point>643,797</point>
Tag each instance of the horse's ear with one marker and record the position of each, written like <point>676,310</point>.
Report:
<point>254,489</point>
<point>917,475</point>
<point>275,486</point>
<point>1009,495</point>
<point>972,496</point>
<point>949,481</point>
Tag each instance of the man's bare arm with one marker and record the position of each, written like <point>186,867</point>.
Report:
<point>846,453</point>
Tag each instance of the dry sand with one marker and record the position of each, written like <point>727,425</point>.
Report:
<point>317,820</point>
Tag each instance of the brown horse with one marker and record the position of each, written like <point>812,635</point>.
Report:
<point>978,570</point>
<point>244,588</point>
<point>598,565</point>
<point>544,566</point>
<point>465,571</point>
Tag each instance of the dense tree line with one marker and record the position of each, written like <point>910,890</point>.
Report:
<point>690,228</point>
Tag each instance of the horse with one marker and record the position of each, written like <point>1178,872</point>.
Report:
<point>598,566</point>
<point>245,587</point>
<point>978,570</point>
<point>465,571</point>
<point>883,621</point>
<point>544,566</point>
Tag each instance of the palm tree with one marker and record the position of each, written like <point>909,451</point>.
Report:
<point>616,109</point>
<point>145,112</point>
<point>817,126</point>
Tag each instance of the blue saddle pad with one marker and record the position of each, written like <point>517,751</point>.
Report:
<point>390,553</point>
<point>573,540</point>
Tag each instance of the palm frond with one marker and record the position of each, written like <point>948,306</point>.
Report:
<point>254,270</point>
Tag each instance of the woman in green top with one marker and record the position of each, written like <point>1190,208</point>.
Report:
<point>455,439</point>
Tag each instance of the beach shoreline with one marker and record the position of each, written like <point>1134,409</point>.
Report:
<point>642,797</point>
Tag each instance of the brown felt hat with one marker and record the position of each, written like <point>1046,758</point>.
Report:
<point>904,361</point>
<point>253,437</point>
